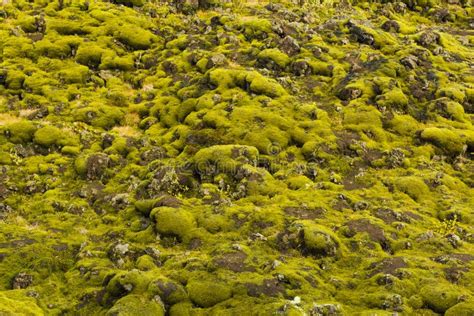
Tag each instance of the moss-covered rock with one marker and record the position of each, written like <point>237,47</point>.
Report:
<point>273,58</point>
<point>446,139</point>
<point>20,132</point>
<point>14,79</point>
<point>112,61</point>
<point>53,50</point>
<point>440,298</point>
<point>174,222</point>
<point>50,135</point>
<point>136,304</point>
<point>89,55</point>
<point>135,37</point>
<point>261,85</point>
<point>16,302</point>
<point>320,242</point>
<point>207,293</point>
<point>460,309</point>
<point>130,3</point>
<point>74,74</point>
<point>413,186</point>
<point>170,292</point>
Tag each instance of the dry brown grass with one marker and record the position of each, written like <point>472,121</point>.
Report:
<point>6,119</point>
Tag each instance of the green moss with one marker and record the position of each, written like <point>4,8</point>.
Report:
<point>50,135</point>
<point>440,297</point>
<point>415,301</point>
<point>180,43</point>
<point>145,206</point>
<point>117,97</point>
<point>5,158</point>
<point>181,309</point>
<point>447,140</point>
<point>393,98</point>
<point>453,92</point>
<point>315,184</point>
<point>21,132</point>
<point>65,27</point>
<point>461,309</point>
<point>202,64</point>
<point>404,124</point>
<point>455,111</point>
<point>14,79</point>
<point>174,222</point>
<point>71,150</point>
<point>415,187</point>
<point>89,55</point>
<point>275,55</point>
<point>362,117</point>
<point>135,37</point>
<point>119,146</point>
<point>137,3</point>
<point>27,24</point>
<point>52,50</point>
<point>299,182</point>
<point>227,78</point>
<point>320,68</point>
<point>134,282</point>
<point>39,83</point>
<point>206,293</point>
<point>171,292</point>
<point>112,61</point>
<point>262,85</point>
<point>80,165</point>
<point>131,305</point>
<point>74,74</point>
<point>145,263</point>
<point>16,302</point>
<point>319,241</point>
<point>225,157</point>
<point>256,28</point>
<point>99,115</point>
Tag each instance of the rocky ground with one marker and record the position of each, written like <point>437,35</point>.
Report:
<point>235,158</point>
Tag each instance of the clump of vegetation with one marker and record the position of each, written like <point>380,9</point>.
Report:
<point>207,293</point>
<point>447,140</point>
<point>135,37</point>
<point>173,222</point>
<point>20,132</point>
<point>89,55</point>
<point>50,135</point>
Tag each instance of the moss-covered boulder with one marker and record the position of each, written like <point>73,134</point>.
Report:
<point>16,302</point>
<point>136,304</point>
<point>171,292</point>
<point>319,242</point>
<point>48,136</point>
<point>89,55</point>
<point>134,37</point>
<point>441,298</point>
<point>207,293</point>
<point>460,309</point>
<point>20,132</point>
<point>174,222</point>
<point>446,139</point>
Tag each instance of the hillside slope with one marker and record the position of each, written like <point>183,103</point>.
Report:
<point>236,159</point>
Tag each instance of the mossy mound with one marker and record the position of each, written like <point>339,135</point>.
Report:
<point>135,304</point>
<point>16,302</point>
<point>208,293</point>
